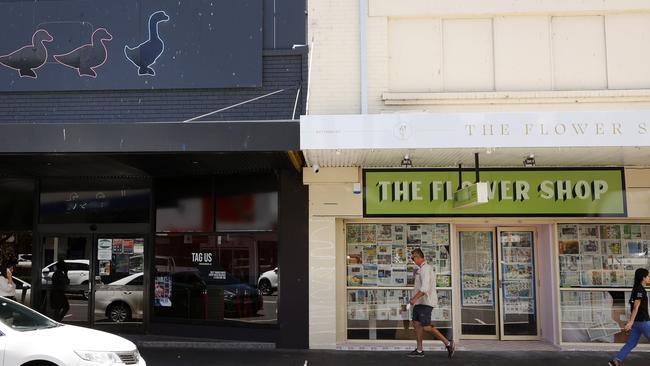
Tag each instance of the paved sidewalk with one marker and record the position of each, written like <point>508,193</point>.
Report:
<point>200,357</point>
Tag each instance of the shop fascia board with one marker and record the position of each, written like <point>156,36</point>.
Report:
<point>480,8</point>
<point>516,97</point>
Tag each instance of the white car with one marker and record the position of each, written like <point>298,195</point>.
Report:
<point>78,270</point>
<point>31,338</point>
<point>268,282</point>
<point>120,301</point>
<point>78,274</point>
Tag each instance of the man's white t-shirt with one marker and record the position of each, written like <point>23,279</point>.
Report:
<point>425,281</point>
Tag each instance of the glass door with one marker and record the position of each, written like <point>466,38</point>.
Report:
<point>65,278</point>
<point>498,284</point>
<point>119,279</point>
<point>517,284</point>
<point>479,316</point>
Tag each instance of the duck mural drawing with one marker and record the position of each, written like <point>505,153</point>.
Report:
<point>85,59</point>
<point>144,55</point>
<point>29,58</point>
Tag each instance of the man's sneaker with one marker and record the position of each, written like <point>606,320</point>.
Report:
<point>614,363</point>
<point>451,348</point>
<point>416,353</point>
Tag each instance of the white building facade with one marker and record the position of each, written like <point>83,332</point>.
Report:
<point>551,99</point>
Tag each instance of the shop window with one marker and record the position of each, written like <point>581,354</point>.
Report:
<point>380,278</point>
<point>96,200</point>
<point>217,277</point>
<point>184,205</point>
<point>601,258</point>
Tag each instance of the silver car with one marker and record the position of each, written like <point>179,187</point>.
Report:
<point>120,301</point>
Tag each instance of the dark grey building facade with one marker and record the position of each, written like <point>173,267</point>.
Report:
<point>153,147</point>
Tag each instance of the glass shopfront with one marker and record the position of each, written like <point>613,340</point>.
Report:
<point>216,250</point>
<point>596,267</point>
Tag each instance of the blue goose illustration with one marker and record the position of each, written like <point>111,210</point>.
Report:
<point>29,58</point>
<point>89,56</point>
<point>146,53</point>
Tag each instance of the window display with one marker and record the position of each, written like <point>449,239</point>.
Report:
<point>380,276</point>
<point>216,277</point>
<point>603,258</point>
<point>602,255</point>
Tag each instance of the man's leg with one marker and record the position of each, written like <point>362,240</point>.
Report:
<point>419,334</point>
<point>436,333</point>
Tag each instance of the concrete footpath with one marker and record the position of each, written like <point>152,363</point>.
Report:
<point>167,356</point>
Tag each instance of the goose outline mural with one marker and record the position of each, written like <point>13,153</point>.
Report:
<point>144,55</point>
<point>85,59</point>
<point>29,58</point>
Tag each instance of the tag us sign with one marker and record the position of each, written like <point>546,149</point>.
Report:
<point>511,192</point>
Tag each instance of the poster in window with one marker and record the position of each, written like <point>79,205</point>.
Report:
<point>104,247</point>
<point>138,246</point>
<point>117,246</point>
<point>399,275</point>
<point>104,268</point>
<point>385,234</point>
<point>569,247</point>
<point>128,246</point>
<point>610,231</point>
<point>385,275</point>
<point>590,247</point>
<point>588,232</point>
<point>368,234</point>
<point>613,246</point>
<point>121,263</point>
<point>399,234</point>
<point>426,235</point>
<point>414,235</point>
<point>384,254</point>
<point>369,254</point>
<point>567,232</point>
<point>163,291</point>
<point>399,254</point>
<point>369,274</point>
<point>355,254</point>
<point>353,234</point>
<point>355,275</point>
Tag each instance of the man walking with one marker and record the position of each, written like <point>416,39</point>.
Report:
<point>423,300</point>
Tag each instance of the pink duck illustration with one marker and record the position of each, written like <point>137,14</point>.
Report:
<point>29,58</point>
<point>85,59</point>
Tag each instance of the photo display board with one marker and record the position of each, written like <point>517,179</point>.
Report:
<point>601,255</point>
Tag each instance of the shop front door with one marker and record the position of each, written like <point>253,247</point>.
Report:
<point>498,283</point>
<point>105,275</point>
<point>66,302</point>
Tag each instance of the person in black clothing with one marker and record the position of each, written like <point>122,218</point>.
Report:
<point>58,300</point>
<point>639,322</point>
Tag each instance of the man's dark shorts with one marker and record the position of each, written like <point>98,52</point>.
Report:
<point>422,314</point>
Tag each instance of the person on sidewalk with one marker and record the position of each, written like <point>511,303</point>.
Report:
<point>7,285</point>
<point>423,300</point>
<point>639,322</point>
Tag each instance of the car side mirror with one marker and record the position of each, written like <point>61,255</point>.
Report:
<point>27,286</point>
<point>46,270</point>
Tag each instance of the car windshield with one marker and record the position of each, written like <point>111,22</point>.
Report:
<point>23,319</point>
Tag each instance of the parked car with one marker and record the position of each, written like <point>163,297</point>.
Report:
<point>29,338</point>
<point>121,300</point>
<point>268,282</point>
<point>78,273</point>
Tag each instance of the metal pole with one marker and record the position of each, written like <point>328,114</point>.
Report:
<point>460,176</point>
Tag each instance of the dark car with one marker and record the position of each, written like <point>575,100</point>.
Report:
<point>193,297</point>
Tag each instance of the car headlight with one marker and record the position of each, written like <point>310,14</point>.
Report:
<point>104,358</point>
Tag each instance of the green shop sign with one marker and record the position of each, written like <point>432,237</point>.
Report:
<point>511,192</point>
